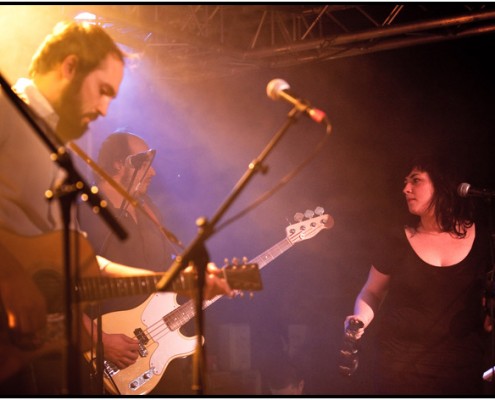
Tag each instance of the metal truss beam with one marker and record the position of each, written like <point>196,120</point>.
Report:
<point>198,39</point>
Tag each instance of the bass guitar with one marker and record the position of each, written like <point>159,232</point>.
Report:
<point>158,332</point>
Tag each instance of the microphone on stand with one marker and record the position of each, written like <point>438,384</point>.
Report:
<point>280,89</point>
<point>466,190</point>
<point>136,161</point>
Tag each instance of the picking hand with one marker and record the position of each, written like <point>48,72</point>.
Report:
<point>120,349</point>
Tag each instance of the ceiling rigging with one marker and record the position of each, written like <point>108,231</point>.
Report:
<point>194,40</point>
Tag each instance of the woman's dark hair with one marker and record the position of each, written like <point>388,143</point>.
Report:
<point>453,213</point>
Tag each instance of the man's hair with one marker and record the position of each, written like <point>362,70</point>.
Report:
<point>89,42</point>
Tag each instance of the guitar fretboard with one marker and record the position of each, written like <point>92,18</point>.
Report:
<point>272,253</point>
<point>101,288</point>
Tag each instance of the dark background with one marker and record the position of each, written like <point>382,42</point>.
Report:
<point>383,107</point>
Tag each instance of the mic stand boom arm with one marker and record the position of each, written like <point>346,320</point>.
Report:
<point>197,252</point>
<point>66,193</point>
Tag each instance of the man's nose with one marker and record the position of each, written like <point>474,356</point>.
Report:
<point>103,105</point>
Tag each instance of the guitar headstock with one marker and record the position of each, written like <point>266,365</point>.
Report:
<point>308,225</point>
<point>244,277</point>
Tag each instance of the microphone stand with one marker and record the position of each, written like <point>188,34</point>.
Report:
<point>197,252</point>
<point>66,193</point>
<point>120,212</point>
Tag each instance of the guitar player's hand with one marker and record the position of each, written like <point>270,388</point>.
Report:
<point>24,305</point>
<point>120,349</point>
<point>214,285</point>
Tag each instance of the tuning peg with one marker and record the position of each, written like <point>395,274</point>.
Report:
<point>309,214</point>
<point>241,294</point>
<point>298,217</point>
<point>319,211</point>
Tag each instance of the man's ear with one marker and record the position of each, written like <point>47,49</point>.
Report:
<point>69,66</point>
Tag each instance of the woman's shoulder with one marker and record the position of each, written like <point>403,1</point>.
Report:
<point>388,235</point>
<point>386,246</point>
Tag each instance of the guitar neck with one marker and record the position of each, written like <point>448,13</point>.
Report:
<point>183,314</point>
<point>272,253</point>
<point>101,288</point>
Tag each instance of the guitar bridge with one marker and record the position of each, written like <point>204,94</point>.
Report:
<point>141,336</point>
<point>143,352</point>
<point>110,368</point>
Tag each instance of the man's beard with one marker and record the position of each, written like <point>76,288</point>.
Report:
<point>70,124</point>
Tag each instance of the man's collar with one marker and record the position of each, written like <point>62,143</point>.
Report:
<point>29,93</point>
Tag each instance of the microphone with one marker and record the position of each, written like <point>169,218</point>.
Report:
<point>349,358</point>
<point>137,160</point>
<point>466,190</point>
<point>279,89</point>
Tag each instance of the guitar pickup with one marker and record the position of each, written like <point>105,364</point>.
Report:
<point>141,336</point>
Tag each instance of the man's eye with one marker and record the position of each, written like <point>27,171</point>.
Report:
<point>105,91</point>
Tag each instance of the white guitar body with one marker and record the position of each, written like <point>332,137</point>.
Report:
<point>178,345</point>
<point>164,343</point>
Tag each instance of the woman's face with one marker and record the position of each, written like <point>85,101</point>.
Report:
<point>418,189</point>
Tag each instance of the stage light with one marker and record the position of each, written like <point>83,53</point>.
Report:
<point>86,16</point>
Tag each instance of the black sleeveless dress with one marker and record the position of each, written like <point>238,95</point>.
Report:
<point>430,328</point>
